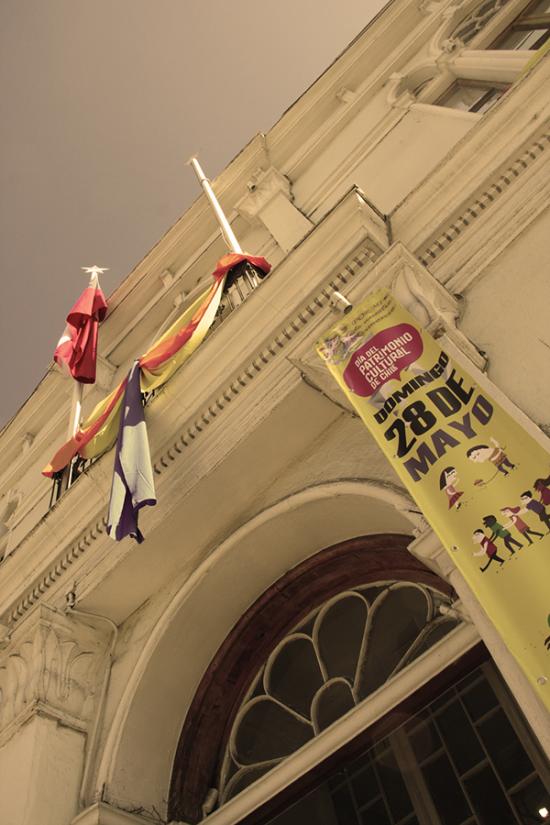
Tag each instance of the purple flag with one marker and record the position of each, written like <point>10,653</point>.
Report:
<point>133,486</point>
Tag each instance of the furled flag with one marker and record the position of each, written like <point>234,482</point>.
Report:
<point>76,351</point>
<point>133,486</point>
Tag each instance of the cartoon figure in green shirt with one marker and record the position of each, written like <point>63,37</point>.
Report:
<point>499,531</point>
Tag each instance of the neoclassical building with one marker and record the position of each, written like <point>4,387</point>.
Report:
<point>291,644</point>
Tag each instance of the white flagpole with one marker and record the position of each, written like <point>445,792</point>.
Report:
<point>76,409</point>
<point>228,234</point>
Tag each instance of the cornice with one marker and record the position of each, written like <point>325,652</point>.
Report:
<point>495,219</point>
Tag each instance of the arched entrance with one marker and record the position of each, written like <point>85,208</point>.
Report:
<point>369,588</point>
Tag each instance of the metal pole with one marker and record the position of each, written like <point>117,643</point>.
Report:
<point>225,226</point>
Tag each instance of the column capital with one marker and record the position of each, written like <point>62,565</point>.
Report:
<point>51,665</point>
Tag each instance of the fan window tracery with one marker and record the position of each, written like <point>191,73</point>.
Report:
<point>474,22</point>
<point>330,662</point>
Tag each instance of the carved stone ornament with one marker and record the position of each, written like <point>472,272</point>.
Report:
<point>451,45</point>
<point>262,187</point>
<point>52,665</point>
<point>425,298</point>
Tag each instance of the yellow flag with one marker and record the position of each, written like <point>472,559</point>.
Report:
<point>481,481</point>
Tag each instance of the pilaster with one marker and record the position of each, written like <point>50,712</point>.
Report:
<point>51,675</point>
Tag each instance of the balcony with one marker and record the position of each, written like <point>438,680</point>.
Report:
<point>240,284</point>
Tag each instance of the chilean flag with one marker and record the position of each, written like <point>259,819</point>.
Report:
<point>76,351</point>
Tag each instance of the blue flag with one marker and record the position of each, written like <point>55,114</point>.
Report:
<point>133,486</point>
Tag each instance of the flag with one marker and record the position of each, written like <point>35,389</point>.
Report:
<point>76,351</point>
<point>158,364</point>
<point>133,486</point>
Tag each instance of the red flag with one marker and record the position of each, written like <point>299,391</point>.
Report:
<point>76,351</point>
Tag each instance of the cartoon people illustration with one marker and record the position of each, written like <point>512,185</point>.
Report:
<point>499,531</point>
<point>447,481</point>
<point>542,486</point>
<point>488,548</point>
<point>495,454</point>
<point>521,526</point>
<point>529,503</point>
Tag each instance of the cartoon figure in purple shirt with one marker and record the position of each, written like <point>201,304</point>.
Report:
<point>542,486</point>
<point>529,503</point>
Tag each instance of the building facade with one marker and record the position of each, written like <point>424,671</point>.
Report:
<point>291,643</point>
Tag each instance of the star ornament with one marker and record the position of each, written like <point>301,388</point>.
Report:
<point>94,270</point>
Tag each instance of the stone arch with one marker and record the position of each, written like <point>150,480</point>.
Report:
<point>136,763</point>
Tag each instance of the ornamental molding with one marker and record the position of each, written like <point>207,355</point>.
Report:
<point>484,206</point>
<point>454,17</point>
<point>50,665</point>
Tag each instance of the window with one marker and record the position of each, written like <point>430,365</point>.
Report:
<point>528,31</point>
<point>459,761</point>
<point>365,607</point>
<point>476,20</point>
<point>343,651</point>
<point>472,96</point>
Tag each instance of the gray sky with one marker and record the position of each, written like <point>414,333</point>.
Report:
<point>102,101</point>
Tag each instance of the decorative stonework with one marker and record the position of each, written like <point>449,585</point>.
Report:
<point>269,202</point>
<point>51,665</point>
<point>41,587</point>
<point>474,22</point>
<point>485,200</point>
<point>275,348</point>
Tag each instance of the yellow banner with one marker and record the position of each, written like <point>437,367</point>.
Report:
<point>481,481</point>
